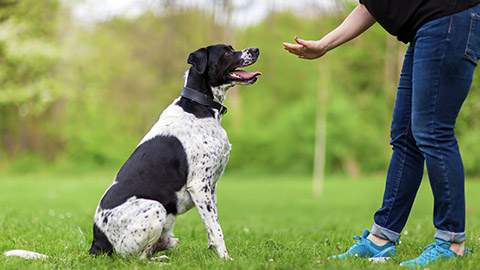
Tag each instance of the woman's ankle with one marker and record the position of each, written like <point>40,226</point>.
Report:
<point>377,240</point>
<point>458,248</point>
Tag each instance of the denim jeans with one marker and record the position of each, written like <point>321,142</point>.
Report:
<point>435,80</point>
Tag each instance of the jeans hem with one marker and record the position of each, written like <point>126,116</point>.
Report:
<point>385,233</point>
<point>453,237</point>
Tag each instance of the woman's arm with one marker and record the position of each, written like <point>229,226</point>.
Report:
<point>356,23</point>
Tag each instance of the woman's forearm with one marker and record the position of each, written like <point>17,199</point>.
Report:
<point>356,23</point>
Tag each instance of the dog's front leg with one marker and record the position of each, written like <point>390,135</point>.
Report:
<point>204,200</point>
<point>211,244</point>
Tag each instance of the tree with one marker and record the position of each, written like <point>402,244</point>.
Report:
<point>27,69</point>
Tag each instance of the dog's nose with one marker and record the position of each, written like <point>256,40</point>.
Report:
<point>255,50</point>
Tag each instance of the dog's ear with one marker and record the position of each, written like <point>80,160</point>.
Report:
<point>198,59</point>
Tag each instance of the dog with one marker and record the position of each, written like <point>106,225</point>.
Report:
<point>176,165</point>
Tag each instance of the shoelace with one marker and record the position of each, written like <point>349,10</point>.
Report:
<point>357,238</point>
<point>431,252</point>
<point>361,240</point>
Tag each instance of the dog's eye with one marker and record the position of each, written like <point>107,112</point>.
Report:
<point>228,53</point>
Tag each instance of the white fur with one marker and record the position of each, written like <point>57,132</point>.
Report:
<point>247,57</point>
<point>133,227</point>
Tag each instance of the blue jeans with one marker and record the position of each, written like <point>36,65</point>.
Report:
<point>435,80</point>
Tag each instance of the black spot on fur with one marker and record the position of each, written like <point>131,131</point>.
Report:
<point>156,170</point>
<point>100,243</point>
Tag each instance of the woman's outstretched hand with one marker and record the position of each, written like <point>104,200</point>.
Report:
<point>305,49</point>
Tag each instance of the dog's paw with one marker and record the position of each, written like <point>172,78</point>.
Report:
<point>162,258</point>
<point>166,244</point>
<point>224,255</point>
<point>171,243</point>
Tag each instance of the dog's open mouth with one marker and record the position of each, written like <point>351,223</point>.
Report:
<point>244,75</point>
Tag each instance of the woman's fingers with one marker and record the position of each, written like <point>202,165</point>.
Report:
<point>293,48</point>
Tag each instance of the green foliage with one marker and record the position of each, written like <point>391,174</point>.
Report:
<point>85,95</point>
<point>28,57</point>
<point>277,116</point>
<point>138,71</point>
<point>263,218</point>
<point>284,133</point>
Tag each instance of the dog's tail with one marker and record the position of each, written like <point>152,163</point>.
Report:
<point>25,254</point>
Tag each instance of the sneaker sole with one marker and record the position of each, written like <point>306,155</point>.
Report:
<point>379,259</point>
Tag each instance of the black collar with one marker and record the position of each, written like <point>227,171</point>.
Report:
<point>203,99</point>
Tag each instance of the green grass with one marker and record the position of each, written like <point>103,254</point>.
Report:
<point>269,222</point>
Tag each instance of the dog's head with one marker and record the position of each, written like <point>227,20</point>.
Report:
<point>219,65</point>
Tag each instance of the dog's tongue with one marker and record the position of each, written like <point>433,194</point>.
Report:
<point>245,74</point>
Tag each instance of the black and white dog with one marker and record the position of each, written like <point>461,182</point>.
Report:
<point>176,165</point>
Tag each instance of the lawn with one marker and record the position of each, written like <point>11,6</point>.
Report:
<point>269,222</point>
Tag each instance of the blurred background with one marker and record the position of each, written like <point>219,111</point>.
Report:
<point>81,82</point>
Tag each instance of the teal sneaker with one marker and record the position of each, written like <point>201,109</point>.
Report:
<point>437,251</point>
<point>367,249</point>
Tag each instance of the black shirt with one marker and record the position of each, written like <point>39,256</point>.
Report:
<point>402,18</point>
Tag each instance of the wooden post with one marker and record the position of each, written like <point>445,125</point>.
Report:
<point>320,129</point>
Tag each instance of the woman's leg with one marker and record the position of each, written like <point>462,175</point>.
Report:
<point>446,54</point>
<point>442,78</point>
<point>406,165</point>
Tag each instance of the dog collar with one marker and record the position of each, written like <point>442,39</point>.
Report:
<point>203,99</point>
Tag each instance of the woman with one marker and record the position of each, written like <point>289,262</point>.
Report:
<point>444,46</point>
